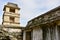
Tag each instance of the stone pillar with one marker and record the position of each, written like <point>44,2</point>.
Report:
<point>54,33</point>
<point>37,34</point>
<point>57,38</point>
<point>24,35</point>
<point>46,33</point>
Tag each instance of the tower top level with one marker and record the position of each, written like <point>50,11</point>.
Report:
<point>11,14</point>
<point>11,5</point>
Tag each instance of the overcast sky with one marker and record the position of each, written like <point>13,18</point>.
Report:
<point>30,8</point>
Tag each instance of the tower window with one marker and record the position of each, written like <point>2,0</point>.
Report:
<point>12,10</point>
<point>11,19</point>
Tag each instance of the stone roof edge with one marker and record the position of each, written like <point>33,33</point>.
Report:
<point>54,9</point>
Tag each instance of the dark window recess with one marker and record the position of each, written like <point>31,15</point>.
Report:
<point>12,10</point>
<point>11,19</point>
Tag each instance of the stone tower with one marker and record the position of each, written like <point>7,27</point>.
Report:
<point>11,15</point>
<point>11,20</point>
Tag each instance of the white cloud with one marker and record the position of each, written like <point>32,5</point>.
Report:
<point>33,8</point>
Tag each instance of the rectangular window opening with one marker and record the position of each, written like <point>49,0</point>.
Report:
<point>12,19</point>
<point>12,10</point>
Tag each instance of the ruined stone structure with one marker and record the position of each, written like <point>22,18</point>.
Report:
<point>44,27</point>
<point>11,13</point>
<point>10,28</point>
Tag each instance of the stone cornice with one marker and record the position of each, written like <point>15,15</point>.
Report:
<point>47,17</point>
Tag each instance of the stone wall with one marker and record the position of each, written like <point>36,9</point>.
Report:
<point>37,34</point>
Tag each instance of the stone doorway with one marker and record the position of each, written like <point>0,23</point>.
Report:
<point>28,35</point>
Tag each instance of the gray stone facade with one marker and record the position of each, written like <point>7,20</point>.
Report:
<point>45,26</point>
